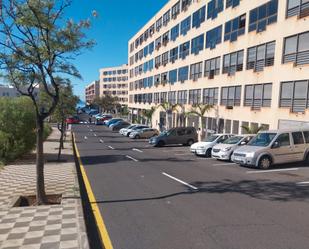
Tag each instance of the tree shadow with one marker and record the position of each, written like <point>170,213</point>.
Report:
<point>103,159</point>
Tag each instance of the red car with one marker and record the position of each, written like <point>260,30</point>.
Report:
<point>72,120</point>
<point>101,120</point>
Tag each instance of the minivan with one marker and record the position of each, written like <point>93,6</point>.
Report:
<point>178,135</point>
<point>274,147</point>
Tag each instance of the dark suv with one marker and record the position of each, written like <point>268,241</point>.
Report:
<point>178,135</point>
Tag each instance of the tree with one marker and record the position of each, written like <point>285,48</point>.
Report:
<point>252,129</point>
<point>36,47</point>
<point>107,102</point>
<point>200,110</point>
<point>168,108</point>
<point>148,113</point>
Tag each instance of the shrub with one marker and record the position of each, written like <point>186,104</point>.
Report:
<point>17,127</point>
<point>47,131</point>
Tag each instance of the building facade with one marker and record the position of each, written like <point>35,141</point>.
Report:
<point>11,91</point>
<point>247,58</point>
<point>114,82</point>
<point>92,91</point>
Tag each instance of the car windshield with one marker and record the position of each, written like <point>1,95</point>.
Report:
<point>262,139</point>
<point>131,126</point>
<point>233,140</point>
<point>211,138</point>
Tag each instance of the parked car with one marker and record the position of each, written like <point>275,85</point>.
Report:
<point>111,121</point>
<point>123,130</point>
<point>204,148</point>
<point>135,128</point>
<point>100,120</point>
<point>93,112</point>
<point>224,150</point>
<point>119,125</point>
<point>178,135</point>
<point>72,120</point>
<point>144,133</point>
<point>268,148</point>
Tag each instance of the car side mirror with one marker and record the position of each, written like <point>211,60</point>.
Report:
<point>275,145</point>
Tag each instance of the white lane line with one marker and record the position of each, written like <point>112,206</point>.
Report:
<point>270,171</point>
<point>178,180</point>
<point>91,130</point>
<point>111,147</point>
<point>137,150</point>
<point>95,134</point>
<point>132,158</point>
<point>302,183</point>
<point>224,164</point>
<point>182,154</point>
<point>85,137</point>
<point>101,141</point>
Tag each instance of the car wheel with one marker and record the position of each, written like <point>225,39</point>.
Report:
<point>265,162</point>
<point>208,153</point>
<point>160,143</point>
<point>190,142</point>
<point>128,134</point>
<point>137,137</point>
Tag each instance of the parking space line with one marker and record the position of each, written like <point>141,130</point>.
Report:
<point>270,171</point>
<point>110,147</point>
<point>85,137</point>
<point>302,183</point>
<point>91,130</point>
<point>101,141</point>
<point>132,158</point>
<point>137,150</point>
<point>95,134</point>
<point>178,180</point>
<point>224,164</point>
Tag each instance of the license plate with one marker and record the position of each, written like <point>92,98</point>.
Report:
<point>238,159</point>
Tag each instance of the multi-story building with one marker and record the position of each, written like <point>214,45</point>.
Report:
<point>247,58</point>
<point>114,82</point>
<point>12,92</point>
<point>92,91</point>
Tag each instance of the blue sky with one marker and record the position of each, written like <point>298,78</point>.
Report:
<point>117,22</point>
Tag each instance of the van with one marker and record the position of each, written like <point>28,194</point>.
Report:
<point>178,135</point>
<point>268,148</point>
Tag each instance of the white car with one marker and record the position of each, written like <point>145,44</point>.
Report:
<point>135,128</point>
<point>124,130</point>
<point>224,150</point>
<point>204,148</point>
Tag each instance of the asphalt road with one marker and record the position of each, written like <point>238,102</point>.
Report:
<point>167,198</point>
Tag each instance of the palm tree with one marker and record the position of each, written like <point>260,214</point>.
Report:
<point>252,129</point>
<point>200,110</point>
<point>148,113</point>
<point>168,107</point>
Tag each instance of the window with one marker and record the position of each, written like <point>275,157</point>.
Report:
<point>258,95</point>
<point>146,51</point>
<point>306,134</point>
<point>185,26</point>
<point>158,61</point>
<point>158,24</point>
<point>183,74</point>
<point>145,67</point>
<point>283,139</point>
<point>263,15</point>
<point>173,54</point>
<point>261,56</point>
<point>231,3</point>
<point>172,97</point>
<point>230,96</point>
<point>195,96</point>
<point>158,43</point>
<point>164,78</point>
<point>175,10</point>
<point>164,58</point>
<point>198,17</point>
<point>210,96</point>
<point>298,138</point>
<point>141,54</point>
<point>297,7</point>
<point>150,81</point>
<point>197,44</point>
<point>296,49</point>
<point>182,97</point>
<point>196,71</point>
<point>163,97</point>
<point>233,62</point>
<point>157,79</point>
<point>234,28</point>
<point>184,50</point>
<point>156,98</point>
<point>172,76</point>
<point>294,94</point>
<point>151,29</point>
<point>151,48</point>
<point>150,64</point>
<point>165,38</point>
<point>166,18</point>
<point>214,37</point>
<point>212,67</point>
<point>185,4</point>
<point>214,7</point>
<point>175,32</point>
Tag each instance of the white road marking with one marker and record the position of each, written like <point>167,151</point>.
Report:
<point>302,183</point>
<point>270,171</point>
<point>85,137</point>
<point>101,141</point>
<point>132,158</point>
<point>91,130</point>
<point>95,134</point>
<point>137,150</point>
<point>111,147</point>
<point>178,180</point>
<point>224,164</point>
<point>182,154</point>
<point>87,126</point>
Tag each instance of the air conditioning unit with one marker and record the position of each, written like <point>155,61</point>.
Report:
<point>229,107</point>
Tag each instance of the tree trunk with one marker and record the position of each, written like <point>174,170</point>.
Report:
<point>61,140</point>
<point>40,182</point>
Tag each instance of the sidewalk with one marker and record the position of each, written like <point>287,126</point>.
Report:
<point>53,226</point>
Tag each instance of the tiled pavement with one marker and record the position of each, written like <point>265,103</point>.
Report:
<point>53,226</point>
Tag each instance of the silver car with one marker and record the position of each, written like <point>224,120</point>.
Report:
<point>224,150</point>
<point>144,133</point>
<point>274,147</point>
